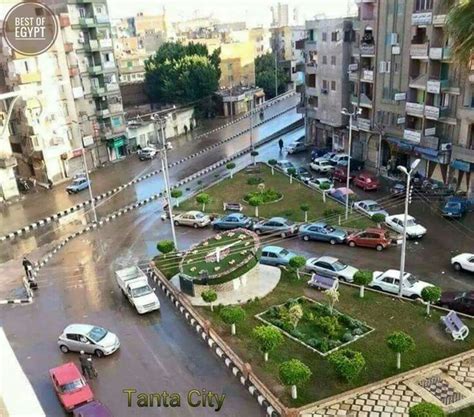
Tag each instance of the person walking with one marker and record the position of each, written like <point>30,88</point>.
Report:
<point>28,267</point>
<point>84,364</point>
<point>280,144</point>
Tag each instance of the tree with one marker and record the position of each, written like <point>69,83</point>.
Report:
<point>362,278</point>
<point>256,201</point>
<point>400,342</point>
<point>297,262</point>
<point>253,154</point>
<point>291,172</point>
<point>425,409</point>
<point>230,166</point>
<point>176,193</point>
<point>347,363</point>
<point>332,296</point>
<point>305,208</point>
<point>294,373</point>
<point>378,218</point>
<point>232,315</point>
<point>460,27</point>
<point>209,296</point>
<point>272,163</point>
<point>268,339</point>
<point>203,198</point>
<point>265,75</point>
<point>294,315</point>
<point>165,246</point>
<point>179,73</point>
<point>324,187</point>
<point>430,295</point>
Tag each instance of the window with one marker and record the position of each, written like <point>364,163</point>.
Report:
<point>333,60</point>
<point>325,84</point>
<point>423,5</point>
<point>324,36</point>
<point>325,59</point>
<point>333,85</point>
<point>334,36</point>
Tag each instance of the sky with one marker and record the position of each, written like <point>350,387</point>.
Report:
<point>254,12</point>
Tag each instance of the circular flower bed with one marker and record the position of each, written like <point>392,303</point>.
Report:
<point>221,258</point>
<point>268,196</point>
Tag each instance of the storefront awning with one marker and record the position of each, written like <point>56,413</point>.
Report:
<point>400,144</point>
<point>427,151</point>
<point>462,165</point>
<point>117,142</point>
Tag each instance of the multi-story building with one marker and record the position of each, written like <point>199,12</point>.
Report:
<point>280,15</point>
<point>327,51</point>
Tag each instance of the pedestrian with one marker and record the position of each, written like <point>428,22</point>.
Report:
<point>28,267</point>
<point>280,144</point>
<point>84,364</point>
<point>50,184</point>
<point>90,368</point>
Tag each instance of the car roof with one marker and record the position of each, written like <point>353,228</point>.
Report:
<point>278,219</point>
<point>393,273</point>
<point>272,249</point>
<point>194,212</point>
<point>375,230</point>
<point>319,224</point>
<point>400,217</point>
<point>66,373</point>
<point>368,201</point>
<point>78,328</point>
<point>235,215</point>
<point>323,179</point>
<point>283,161</point>
<point>328,259</point>
<point>92,409</point>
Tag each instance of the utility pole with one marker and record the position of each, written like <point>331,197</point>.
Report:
<point>251,123</point>
<point>86,169</point>
<point>276,71</point>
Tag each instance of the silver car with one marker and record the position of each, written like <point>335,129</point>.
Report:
<point>91,339</point>
<point>192,218</point>
<point>327,265</point>
<point>370,207</point>
<point>277,225</point>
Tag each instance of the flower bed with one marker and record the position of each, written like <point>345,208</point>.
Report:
<point>268,196</point>
<point>318,329</point>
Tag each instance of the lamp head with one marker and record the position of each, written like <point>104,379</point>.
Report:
<point>415,164</point>
<point>403,169</point>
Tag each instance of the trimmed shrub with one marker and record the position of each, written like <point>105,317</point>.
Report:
<point>254,181</point>
<point>328,324</point>
<point>347,363</point>
<point>426,410</point>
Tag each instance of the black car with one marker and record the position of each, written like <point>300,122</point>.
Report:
<point>458,301</point>
<point>303,174</point>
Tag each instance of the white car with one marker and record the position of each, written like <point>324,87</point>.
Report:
<point>321,165</point>
<point>147,153</point>
<point>389,281</point>
<point>91,339</point>
<point>414,230</point>
<point>340,159</point>
<point>369,207</point>
<point>327,265</point>
<point>297,146</point>
<point>463,261</point>
<point>318,182</point>
<point>192,218</point>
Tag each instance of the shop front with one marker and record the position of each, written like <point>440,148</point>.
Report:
<point>117,147</point>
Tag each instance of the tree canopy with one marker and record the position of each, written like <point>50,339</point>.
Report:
<point>460,25</point>
<point>181,74</point>
<point>265,75</point>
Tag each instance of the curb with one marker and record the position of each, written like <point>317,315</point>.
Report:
<point>66,212</point>
<point>215,347</point>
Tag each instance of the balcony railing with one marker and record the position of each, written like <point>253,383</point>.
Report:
<point>439,20</point>
<point>95,69</point>
<point>414,109</point>
<point>105,43</point>
<point>86,21</point>
<point>311,91</point>
<point>103,112</point>
<point>364,124</point>
<point>419,51</point>
<point>421,18</point>
<point>115,108</point>
<point>463,154</point>
<point>102,19</point>
<point>30,77</point>
<point>112,87</point>
<point>92,45</point>
<point>365,101</point>
<point>434,112</point>
<point>368,75</point>
<point>367,50</point>
<point>440,53</point>
<point>412,135</point>
<point>7,161</point>
<point>353,76</point>
<point>436,86</point>
<point>98,91</point>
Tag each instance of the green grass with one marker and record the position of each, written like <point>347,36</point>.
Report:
<point>383,313</point>
<point>467,412</point>
<point>294,195</point>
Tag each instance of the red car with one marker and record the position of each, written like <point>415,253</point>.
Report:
<point>340,174</point>
<point>370,238</point>
<point>366,182</point>
<point>70,386</point>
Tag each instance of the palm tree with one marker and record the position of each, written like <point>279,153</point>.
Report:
<point>460,25</point>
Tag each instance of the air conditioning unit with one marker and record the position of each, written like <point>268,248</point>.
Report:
<point>446,146</point>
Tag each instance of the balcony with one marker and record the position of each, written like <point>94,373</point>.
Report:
<point>111,87</point>
<point>442,54</point>
<point>115,108</point>
<point>311,69</point>
<point>364,124</point>
<point>412,135</point>
<point>73,72</point>
<point>367,76</point>
<point>68,47</point>
<point>367,50</point>
<point>311,91</point>
<point>354,76</point>
<point>102,19</point>
<point>7,161</point>
<point>92,45</point>
<point>421,18</point>
<point>439,20</point>
<point>435,113</point>
<point>29,77</point>
<point>64,20</point>
<point>414,109</point>
<point>419,82</point>
<point>365,101</point>
<point>105,43</point>
<point>436,86</point>
<point>462,154</point>
<point>87,22</point>
<point>98,91</point>
<point>103,112</point>
<point>95,69</point>
<point>419,51</point>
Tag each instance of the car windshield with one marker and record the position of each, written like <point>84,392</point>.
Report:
<point>374,207</point>
<point>339,266</point>
<point>288,222</point>
<point>410,280</point>
<point>199,215</point>
<point>140,292</point>
<point>411,222</point>
<point>78,181</point>
<point>72,386</point>
<point>329,229</point>
<point>453,205</point>
<point>97,334</point>
<point>283,252</point>
<point>460,296</point>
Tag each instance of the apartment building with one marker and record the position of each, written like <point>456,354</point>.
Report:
<point>327,52</point>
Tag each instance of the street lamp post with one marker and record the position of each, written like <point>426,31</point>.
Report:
<point>86,169</point>
<point>345,112</point>
<point>276,72</point>
<point>413,167</point>
<point>164,167</point>
<point>251,123</point>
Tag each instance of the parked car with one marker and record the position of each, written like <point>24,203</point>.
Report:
<point>232,221</point>
<point>339,159</point>
<point>370,238</point>
<point>463,261</point>
<point>456,207</point>
<point>414,230</point>
<point>192,218</point>
<point>91,339</point>
<point>367,182</point>
<point>329,155</point>
<point>147,153</point>
<point>340,194</point>
<point>298,145</point>
<point>276,256</point>
<point>398,190</point>
<point>317,153</point>
<point>303,174</point>
<point>459,301</point>
<point>92,409</point>
<point>277,225</point>
<point>321,165</point>
<point>318,182</point>
<point>77,185</point>
<point>327,265</point>
<point>284,165</point>
<point>340,174</point>
<point>71,387</point>
<point>323,232</point>
<point>369,207</point>
<point>389,281</point>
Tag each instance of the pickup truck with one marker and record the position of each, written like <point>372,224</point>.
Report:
<point>134,285</point>
<point>457,207</point>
